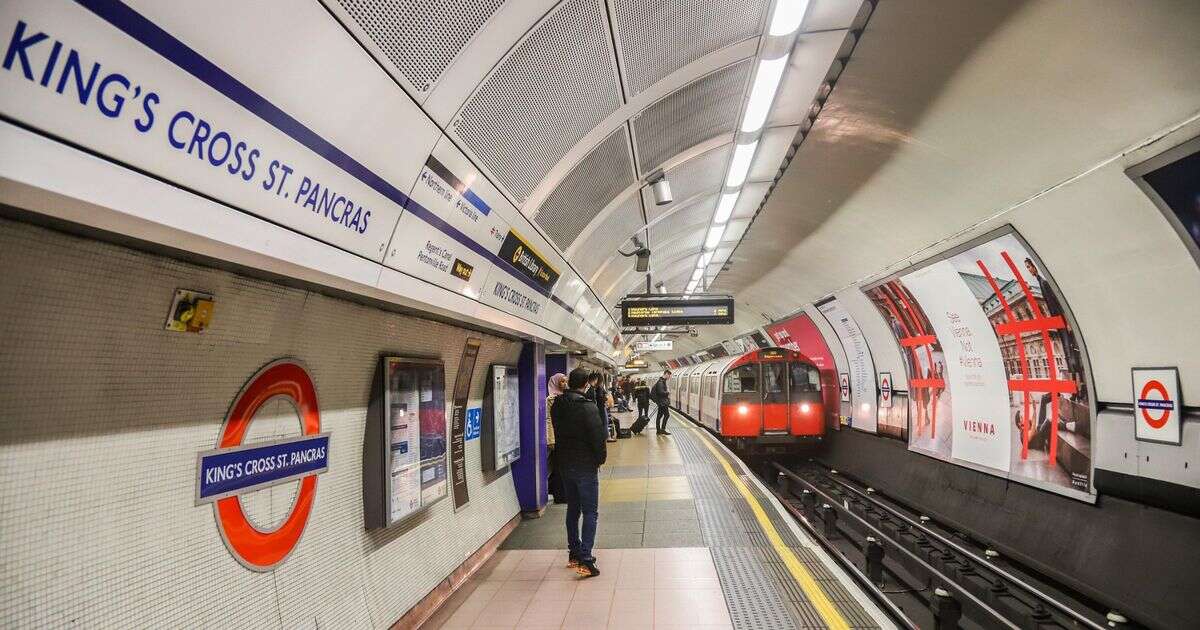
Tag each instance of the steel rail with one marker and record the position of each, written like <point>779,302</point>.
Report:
<point>933,571</point>
<point>1016,580</point>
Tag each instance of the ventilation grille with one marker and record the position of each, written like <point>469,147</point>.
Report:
<point>694,217</point>
<point>657,38</point>
<point>703,109</point>
<point>553,88</point>
<point>416,35</point>
<point>594,182</point>
<point>677,246</point>
<point>702,173</point>
<point>602,243</point>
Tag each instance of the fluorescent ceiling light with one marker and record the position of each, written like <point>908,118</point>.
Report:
<point>787,17</point>
<point>766,81</point>
<point>704,259</point>
<point>714,236</point>
<point>697,274</point>
<point>725,208</point>
<point>740,165</point>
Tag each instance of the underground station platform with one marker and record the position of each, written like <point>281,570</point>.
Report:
<point>688,538</point>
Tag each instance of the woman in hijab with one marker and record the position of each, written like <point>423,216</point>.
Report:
<point>557,385</point>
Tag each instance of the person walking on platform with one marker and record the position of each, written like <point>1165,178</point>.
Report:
<point>557,385</point>
<point>662,397</point>
<point>641,393</point>
<point>580,450</point>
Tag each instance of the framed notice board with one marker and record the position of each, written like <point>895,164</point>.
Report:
<point>501,435</point>
<point>405,466</point>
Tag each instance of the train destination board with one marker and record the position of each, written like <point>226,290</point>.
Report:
<point>657,311</point>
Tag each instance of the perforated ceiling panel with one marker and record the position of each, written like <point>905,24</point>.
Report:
<point>607,236</point>
<point>553,88</point>
<point>673,248</point>
<point>417,36</point>
<point>703,173</point>
<point>658,37</point>
<point>700,110</point>
<point>693,217</point>
<point>594,182</point>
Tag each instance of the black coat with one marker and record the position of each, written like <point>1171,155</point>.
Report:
<point>580,437</point>
<point>661,394</point>
<point>642,394</point>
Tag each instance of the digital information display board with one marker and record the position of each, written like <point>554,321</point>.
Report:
<point>656,311</point>
<point>501,436</point>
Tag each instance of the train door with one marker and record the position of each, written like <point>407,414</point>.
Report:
<point>775,397</point>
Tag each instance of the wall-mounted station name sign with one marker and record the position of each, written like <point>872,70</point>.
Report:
<point>676,311</point>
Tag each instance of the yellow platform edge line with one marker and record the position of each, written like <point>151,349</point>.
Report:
<point>814,592</point>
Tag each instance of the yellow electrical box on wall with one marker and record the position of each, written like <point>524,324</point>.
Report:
<point>191,311</point>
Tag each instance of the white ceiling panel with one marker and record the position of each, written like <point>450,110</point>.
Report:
<point>773,146</point>
<point>658,37</point>
<point>608,235</point>
<point>701,174</point>
<point>551,89</point>
<point>699,111</point>
<point>587,189</point>
<point>751,197</point>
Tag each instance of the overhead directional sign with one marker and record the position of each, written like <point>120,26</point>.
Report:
<point>676,311</point>
<point>661,345</point>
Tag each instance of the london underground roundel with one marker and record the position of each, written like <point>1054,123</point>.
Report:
<point>235,468</point>
<point>1157,405</point>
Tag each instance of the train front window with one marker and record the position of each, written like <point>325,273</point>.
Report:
<point>805,378</point>
<point>741,380</point>
<point>775,382</point>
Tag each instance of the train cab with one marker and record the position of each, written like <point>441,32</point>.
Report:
<point>760,398</point>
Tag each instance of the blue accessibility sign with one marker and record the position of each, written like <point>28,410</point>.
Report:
<point>474,422</point>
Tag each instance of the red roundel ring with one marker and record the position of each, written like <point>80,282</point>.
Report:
<point>256,549</point>
<point>1155,386</point>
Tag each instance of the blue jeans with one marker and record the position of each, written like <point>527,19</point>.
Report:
<point>583,499</point>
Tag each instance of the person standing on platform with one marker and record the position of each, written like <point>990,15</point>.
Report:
<point>662,397</point>
<point>580,450</point>
<point>557,385</point>
<point>641,393</point>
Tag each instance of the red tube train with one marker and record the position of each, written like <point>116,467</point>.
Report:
<point>765,400</point>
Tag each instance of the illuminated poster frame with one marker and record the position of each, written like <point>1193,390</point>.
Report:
<point>930,393</point>
<point>405,465</point>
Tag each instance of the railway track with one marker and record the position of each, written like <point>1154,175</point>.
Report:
<point>927,574</point>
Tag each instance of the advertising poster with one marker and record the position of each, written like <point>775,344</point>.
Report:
<point>799,333</point>
<point>996,372</point>
<point>862,369</point>
<point>415,408</point>
<point>971,366</point>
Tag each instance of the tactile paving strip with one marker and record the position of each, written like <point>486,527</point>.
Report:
<point>759,589</point>
<point>750,594</point>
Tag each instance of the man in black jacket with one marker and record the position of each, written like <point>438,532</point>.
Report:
<point>580,449</point>
<point>662,397</point>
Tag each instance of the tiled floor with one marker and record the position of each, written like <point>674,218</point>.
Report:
<point>532,589</point>
<point>659,565</point>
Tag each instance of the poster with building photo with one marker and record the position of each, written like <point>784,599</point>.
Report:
<point>929,398</point>
<point>996,371</point>
<point>1049,406</point>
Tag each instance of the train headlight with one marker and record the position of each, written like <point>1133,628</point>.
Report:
<point>805,408</point>
<point>743,409</point>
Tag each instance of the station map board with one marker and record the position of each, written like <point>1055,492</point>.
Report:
<point>501,435</point>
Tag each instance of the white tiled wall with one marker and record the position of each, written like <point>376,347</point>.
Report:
<point>102,413</point>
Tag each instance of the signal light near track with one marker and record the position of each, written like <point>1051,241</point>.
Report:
<point>1157,405</point>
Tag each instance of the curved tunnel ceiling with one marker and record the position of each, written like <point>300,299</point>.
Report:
<point>935,136</point>
<point>569,107</point>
